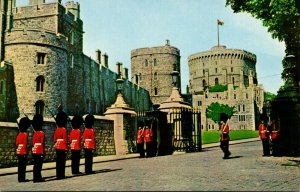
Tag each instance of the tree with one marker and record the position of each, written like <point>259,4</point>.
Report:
<point>282,18</point>
<point>215,109</point>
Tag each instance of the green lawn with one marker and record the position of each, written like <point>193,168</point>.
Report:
<point>214,136</point>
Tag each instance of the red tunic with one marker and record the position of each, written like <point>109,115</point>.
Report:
<point>88,138</point>
<point>75,139</point>
<point>262,131</point>
<point>60,137</point>
<point>224,136</point>
<point>140,138</point>
<point>274,133</point>
<point>21,143</point>
<point>38,142</point>
<point>148,135</point>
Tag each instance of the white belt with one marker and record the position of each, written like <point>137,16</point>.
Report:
<point>38,144</point>
<point>20,145</point>
<point>60,139</point>
<point>75,140</point>
<point>88,139</point>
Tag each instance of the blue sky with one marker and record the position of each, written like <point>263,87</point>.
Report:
<point>118,26</point>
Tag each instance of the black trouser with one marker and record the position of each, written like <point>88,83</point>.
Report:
<point>149,149</point>
<point>140,149</point>
<point>224,145</point>
<point>22,162</point>
<point>37,167</point>
<point>75,161</point>
<point>88,154</point>
<point>266,147</point>
<point>275,147</point>
<point>60,163</point>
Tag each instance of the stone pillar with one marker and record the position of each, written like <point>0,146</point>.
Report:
<point>125,73</point>
<point>105,60</point>
<point>124,119</point>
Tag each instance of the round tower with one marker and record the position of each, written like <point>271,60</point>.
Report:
<point>221,66</point>
<point>40,61</point>
<point>152,69</point>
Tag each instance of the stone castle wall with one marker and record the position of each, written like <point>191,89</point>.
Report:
<point>104,137</point>
<point>72,79</point>
<point>152,67</point>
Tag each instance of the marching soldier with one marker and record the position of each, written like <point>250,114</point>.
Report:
<point>140,139</point>
<point>38,143</point>
<point>224,136</point>
<point>75,143</point>
<point>60,140</point>
<point>148,138</point>
<point>21,143</point>
<point>263,134</point>
<point>274,136</point>
<point>88,140</point>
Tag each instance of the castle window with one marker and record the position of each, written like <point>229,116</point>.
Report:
<point>231,69</point>
<point>1,87</point>
<point>146,63</point>
<point>40,81</point>
<point>174,67</point>
<point>216,70</point>
<point>155,76</point>
<point>41,58</point>
<point>234,96</point>
<point>246,95</point>
<point>203,72</point>
<point>39,107</point>
<point>199,103</point>
<point>203,83</point>
<point>140,76</point>
<point>216,81</point>
<point>243,107</point>
<point>233,80</point>
<point>136,79</point>
<point>154,62</point>
<point>155,91</point>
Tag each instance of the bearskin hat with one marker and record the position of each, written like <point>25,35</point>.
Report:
<point>140,124</point>
<point>76,121</point>
<point>24,123</point>
<point>37,122</point>
<point>89,121</point>
<point>61,119</point>
<point>223,117</point>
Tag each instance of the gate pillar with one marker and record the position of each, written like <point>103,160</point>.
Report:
<point>124,119</point>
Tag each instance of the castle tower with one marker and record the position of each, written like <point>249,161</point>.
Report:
<point>151,68</point>
<point>44,43</point>
<point>221,66</point>
<point>74,8</point>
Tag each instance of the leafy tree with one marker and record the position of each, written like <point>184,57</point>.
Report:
<point>215,109</point>
<point>282,18</point>
<point>269,96</point>
<point>218,88</point>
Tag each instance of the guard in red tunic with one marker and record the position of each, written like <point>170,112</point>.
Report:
<point>88,140</point>
<point>75,140</point>
<point>274,136</point>
<point>60,140</point>
<point>140,139</point>
<point>38,147</point>
<point>263,134</point>
<point>148,138</point>
<point>21,143</point>
<point>224,136</point>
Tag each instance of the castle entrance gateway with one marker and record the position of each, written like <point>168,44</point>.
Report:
<point>176,130</point>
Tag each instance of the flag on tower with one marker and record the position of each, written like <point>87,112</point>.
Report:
<point>220,22</point>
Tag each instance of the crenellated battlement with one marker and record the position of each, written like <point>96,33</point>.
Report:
<point>36,37</point>
<point>155,50</point>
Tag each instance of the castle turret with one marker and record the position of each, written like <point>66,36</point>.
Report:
<point>74,8</point>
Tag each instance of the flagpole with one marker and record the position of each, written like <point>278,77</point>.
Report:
<point>218,34</point>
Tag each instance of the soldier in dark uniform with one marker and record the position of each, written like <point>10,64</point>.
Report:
<point>75,136</point>
<point>60,140</point>
<point>88,139</point>
<point>38,149</point>
<point>21,143</point>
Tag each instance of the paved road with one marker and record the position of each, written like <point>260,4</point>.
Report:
<point>201,171</point>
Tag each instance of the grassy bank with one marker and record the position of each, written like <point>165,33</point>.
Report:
<point>214,136</point>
